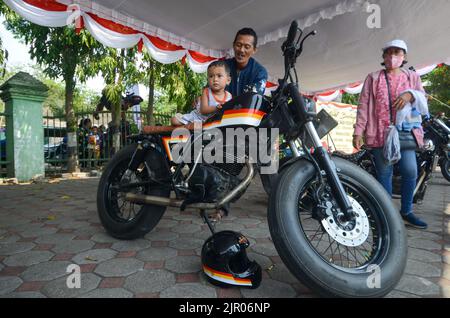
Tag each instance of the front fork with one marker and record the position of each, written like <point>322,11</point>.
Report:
<point>327,165</point>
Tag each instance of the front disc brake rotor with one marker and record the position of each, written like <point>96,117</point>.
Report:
<point>359,232</point>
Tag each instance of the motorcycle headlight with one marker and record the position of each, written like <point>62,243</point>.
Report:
<point>428,145</point>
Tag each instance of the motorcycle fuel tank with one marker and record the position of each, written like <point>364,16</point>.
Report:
<point>245,110</point>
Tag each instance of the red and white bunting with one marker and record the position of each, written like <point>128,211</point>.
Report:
<point>51,13</point>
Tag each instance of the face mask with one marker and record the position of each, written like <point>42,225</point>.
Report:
<point>393,61</point>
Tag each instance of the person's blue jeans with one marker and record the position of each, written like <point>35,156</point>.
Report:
<point>408,172</point>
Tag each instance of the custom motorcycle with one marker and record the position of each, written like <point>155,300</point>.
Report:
<point>332,224</point>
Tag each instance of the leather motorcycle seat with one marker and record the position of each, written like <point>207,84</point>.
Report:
<point>152,130</point>
<point>355,157</point>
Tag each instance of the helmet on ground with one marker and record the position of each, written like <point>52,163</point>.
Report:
<point>225,261</point>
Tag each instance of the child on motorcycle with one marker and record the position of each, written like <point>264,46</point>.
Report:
<point>213,96</point>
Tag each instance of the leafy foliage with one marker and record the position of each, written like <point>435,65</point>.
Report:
<point>439,87</point>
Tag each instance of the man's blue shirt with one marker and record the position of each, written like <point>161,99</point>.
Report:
<point>252,76</point>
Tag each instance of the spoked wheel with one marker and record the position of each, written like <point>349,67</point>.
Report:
<point>361,257</point>
<point>123,219</point>
<point>347,245</point>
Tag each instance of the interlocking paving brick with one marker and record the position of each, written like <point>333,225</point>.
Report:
<point>30,286</point>
<point>417,286</point>
<point>399,294</point>
<point>186,228</point>
<point>423,255</point>
<point>186,243</point>
<point>103,237</point>
<point>75,246</point>
<point>45,271</point>
<point>28,258</point>
<point>112,282</point>
<point>262,260</point>
<point>161,236</point>
<point>59,287</point>
<point>14,248</point>
<point>279,272</point>
<point>108,293</point>
<point>56,238</point>
<point>149,281</point>
<point>73,225</point>
<point>87,268</point>
<point>256,233</point>
<point>166,223</point>
<point>422,269</point>
<point>424,235</point>
<point>187,278</point>
<point>40,231</point>
<point>135,245</point>
<point>234,226</point>
<point>8,284</point>
<point>228,293</point>
<point>119,267</point>
<point>156,254</point>
<point>424,244</point>
<point>32,226</point>
<point>154,265</point>
<point>270,288</point>
<point>94,256</point>
<point>267,249</point>
<point>23,295</point>
<point>189,290</point>
<point>184,264</point>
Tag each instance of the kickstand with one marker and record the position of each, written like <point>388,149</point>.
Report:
<point>207,221</point>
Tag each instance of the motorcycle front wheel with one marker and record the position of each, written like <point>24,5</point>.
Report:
<point>445,168</point>
<point>364,257</point>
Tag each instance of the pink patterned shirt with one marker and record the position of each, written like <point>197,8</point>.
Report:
<point>373,115</point>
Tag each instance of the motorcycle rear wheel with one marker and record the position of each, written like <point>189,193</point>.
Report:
<point>122,219</point>
<point>342,271</point>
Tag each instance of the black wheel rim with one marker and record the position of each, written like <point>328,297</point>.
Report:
<point>350,259</point>
<point>119,209</point>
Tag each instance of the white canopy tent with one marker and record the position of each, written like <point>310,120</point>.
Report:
<point>346,49</point>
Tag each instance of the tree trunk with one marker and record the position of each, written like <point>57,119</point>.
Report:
<point>72,154</point>
<point>115,113</point>
<point>151,95</point>
<point>116,110</point>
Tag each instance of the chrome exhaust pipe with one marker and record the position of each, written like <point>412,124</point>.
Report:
<point>163,201</point>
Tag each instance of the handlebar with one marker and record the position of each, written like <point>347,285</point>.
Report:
<point>291,35</point>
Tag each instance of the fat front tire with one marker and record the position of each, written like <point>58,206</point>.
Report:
<point>296,233</point>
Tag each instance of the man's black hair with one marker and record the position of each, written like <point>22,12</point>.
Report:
<point>247,31</point>
<point>220,63</point>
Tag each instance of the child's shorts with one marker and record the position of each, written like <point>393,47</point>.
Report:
<point>190,117</point>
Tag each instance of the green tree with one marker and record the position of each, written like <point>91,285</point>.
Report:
<point>62,54</point>
<point>3,52</point>
<point>177,84</point>
<point>352,99</point>
<point>119,69</point>
<point>439,87</point>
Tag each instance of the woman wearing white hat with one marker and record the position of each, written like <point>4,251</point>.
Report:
<point>385,93</point>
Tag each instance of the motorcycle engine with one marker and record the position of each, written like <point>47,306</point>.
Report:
<point>210,184</point>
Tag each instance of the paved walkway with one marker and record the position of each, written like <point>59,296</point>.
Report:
<point>46,227</point>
